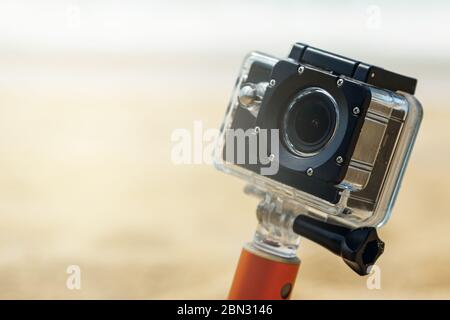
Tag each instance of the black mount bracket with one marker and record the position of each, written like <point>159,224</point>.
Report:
<point>359,248</point>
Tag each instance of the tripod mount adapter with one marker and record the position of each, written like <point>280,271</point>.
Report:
<point>281,222</point>
<point>268,265</point>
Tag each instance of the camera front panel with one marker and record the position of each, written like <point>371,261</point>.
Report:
<point>318,130</point>
<point>316,125</point>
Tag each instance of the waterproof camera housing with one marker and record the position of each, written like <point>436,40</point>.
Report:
<point>330,135</point>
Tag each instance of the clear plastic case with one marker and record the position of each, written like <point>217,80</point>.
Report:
<point>373,177</point>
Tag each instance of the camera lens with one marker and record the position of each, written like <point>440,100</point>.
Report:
<point>309,122</point>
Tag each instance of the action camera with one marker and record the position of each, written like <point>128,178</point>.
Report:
<point>329,134</point>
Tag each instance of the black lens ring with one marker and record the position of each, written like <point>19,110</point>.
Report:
<point>310,123</point>
<point>318,140</point>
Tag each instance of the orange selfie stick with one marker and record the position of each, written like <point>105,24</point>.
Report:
<point>268,266</point>
<point>262,276</point>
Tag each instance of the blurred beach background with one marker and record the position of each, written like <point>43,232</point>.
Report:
<point>90,94</point>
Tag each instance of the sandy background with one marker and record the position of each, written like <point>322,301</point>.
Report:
<point>86,177</point>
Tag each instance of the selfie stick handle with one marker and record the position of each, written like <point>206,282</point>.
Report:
<point>262,276</point>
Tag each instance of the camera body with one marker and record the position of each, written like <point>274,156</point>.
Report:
<point>328,134</point>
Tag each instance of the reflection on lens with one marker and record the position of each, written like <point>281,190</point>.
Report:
<point>310,121</point>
